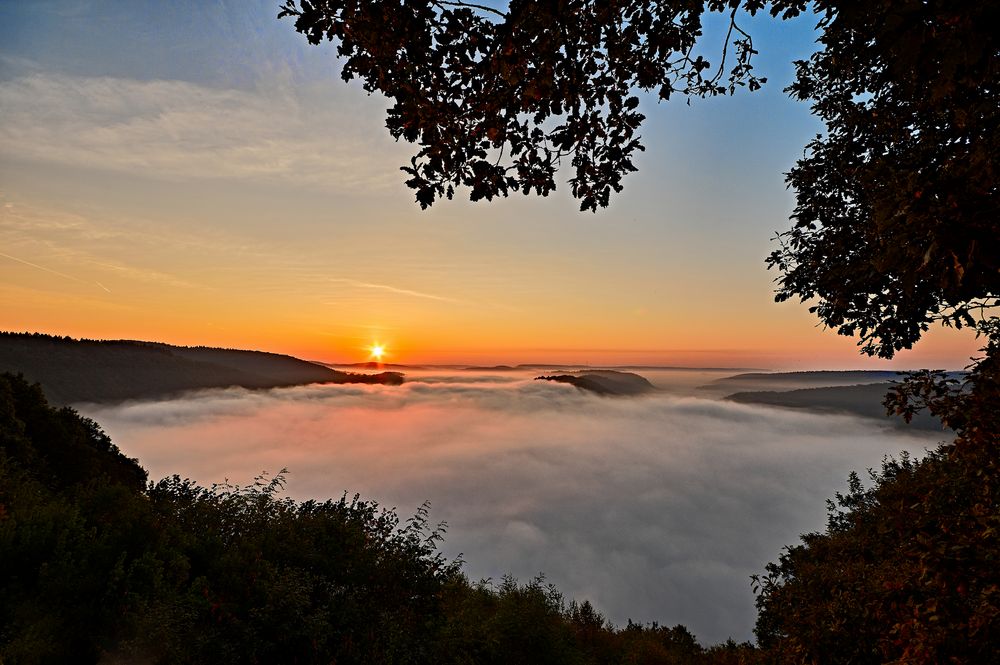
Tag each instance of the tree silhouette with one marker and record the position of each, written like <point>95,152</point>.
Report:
<point>499,100</point>
<point>896,223</point>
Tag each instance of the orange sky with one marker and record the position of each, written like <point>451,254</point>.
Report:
<point>204,192</point>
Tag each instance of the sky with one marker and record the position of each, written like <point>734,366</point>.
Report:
<point>196,173</point>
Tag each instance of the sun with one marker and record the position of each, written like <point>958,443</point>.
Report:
<point>377,351</point>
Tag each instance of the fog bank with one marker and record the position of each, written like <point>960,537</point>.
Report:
<point>654,508</point>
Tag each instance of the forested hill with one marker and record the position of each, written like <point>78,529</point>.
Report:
<point>604,382</point>
<point>856,392</point>
<point>860,400</point>
<point>72,370</point>
<point>756,381</point>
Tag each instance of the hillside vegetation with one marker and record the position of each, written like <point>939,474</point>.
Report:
<point>71,370</point>
<point>99,566</point>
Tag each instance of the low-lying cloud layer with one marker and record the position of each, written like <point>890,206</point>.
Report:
<point>655,508</point>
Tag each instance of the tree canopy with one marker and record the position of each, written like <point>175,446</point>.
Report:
<point>896,222</point>
<point>497,99</point>
<point>896,215</point>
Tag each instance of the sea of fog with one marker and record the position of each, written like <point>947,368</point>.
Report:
<point>655,508</point>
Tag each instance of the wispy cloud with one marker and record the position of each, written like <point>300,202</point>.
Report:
<point>82,244</point>
<point>180,130</point>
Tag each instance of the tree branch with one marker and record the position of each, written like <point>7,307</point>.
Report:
<point>469,5</point>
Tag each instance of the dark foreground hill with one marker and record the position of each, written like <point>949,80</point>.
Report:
<point>72,370</point>
<point>101,567</point>
<point>604,382</point>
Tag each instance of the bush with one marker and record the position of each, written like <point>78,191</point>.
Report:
<point>908,570</point>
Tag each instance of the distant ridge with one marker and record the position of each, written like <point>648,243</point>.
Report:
<point>859,400</point>
<point>603,368</point>
<point>83,370</point>
<point>371,365</point>
<point>821,377</point>
<point>856,392</point>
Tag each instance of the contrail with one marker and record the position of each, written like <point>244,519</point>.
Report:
<point>393,289</point>
<point>54,272</point>
<point>420,294</point>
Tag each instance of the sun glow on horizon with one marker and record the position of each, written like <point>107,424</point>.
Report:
<point>377,351</point>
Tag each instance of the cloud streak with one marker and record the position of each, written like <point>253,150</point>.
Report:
<point>392,289</point>
<point>38,267</point>
<point>179,130</point>
<point>51,271</point>
<point>655,508</point>
<point>83,244</point>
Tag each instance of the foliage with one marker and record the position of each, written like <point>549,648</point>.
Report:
<point>967,406</point>
<point>896,222</point>
<point>497,98</point>
<point>64,449</point>
<point>530,623</point>
<point>509,623</point>
<point>908,570</point>
<point>65,493</point>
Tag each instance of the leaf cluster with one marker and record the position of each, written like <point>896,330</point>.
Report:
<point>907,571</point>
<point>896,217</point>
<point>496,99</point>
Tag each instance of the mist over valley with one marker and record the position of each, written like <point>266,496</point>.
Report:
<point>655,507</point>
